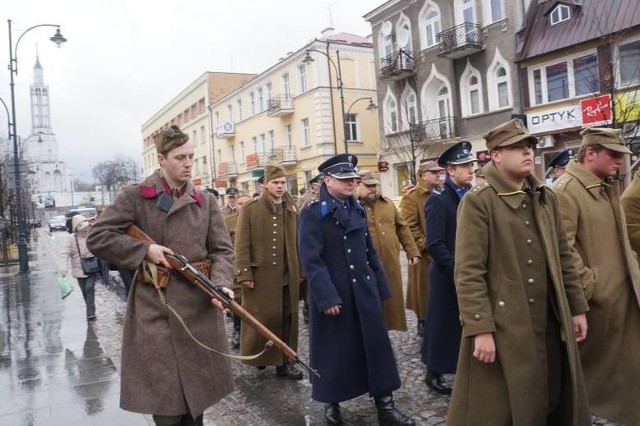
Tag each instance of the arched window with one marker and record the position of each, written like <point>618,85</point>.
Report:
<point>408,107</point>
<point>403,35</point>
<point>432,25</point>
<point>499,84</point>
<point>471,91</point>
<point>390,114</point>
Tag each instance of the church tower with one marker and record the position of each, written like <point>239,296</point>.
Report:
<point>40,118</point>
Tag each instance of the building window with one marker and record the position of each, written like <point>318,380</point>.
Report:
<point>412,116</point>
<point>471,91</point>
<point>269,93</point>
<point>217,115</point>
<point>387,44</point>
<point>289,135</point>
<point>203,139</point>
<point>404,31</point>
<point>468,11</point>
<point>629,58</point>
<point>574,76</point>
<point>230,113</point>
<point>272,140</point>
<point>432,25</point>
<point>351,127</point>
<point>495,11</point>
<point>239,109</point>
<point>232,154</point>
<point>390,115</point>
<point>254,143</point>
<point>252,100</point>
<point>260,100</point>
<point>306,136</point>
<point>302,79</point>
<point>263,143</point>
<point>560,14</point>
<point>498,84</point>
<point>242,152</point>
<point>286,86</point>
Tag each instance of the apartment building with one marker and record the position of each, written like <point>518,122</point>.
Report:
<point>445,72</point>
<point>579,66</point>
<point>189,111</point>
<point>292,114</point>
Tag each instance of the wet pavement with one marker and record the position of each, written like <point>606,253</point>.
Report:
<point>57,370</point>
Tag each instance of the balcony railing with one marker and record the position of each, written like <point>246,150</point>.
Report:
<point>227,169</point>
<point>225,130</point>
<point>398,65</point>
<point>460,41</point>
<point>256,160</point>
<point>434,129</point>
<point>285,155</point>
<point>279,106</point>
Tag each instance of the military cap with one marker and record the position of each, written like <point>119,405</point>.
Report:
<point>429,166</point>
<point>509,133</point>
<point>169,139</point>
<point>232,192</point>
<point>261,180</point>
<point>214,192</point>
<point>562,158</point>
<point>459,153</point>
<point>368,178</point>
<point>608,138</point>
<point>341,166</point>
<point>316,178</point>
<point>273,172</point>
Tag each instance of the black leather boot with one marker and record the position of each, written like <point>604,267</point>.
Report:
<point>289,371</point>
<point>388,414</point>
<point>436,383</point>
<point>332,414</point>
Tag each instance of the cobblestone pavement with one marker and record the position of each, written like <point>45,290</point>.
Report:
<point>262,398</point>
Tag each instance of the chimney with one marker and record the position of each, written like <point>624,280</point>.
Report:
<point>327,32</point>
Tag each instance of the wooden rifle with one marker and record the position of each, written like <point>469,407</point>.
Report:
<point>182,265</point>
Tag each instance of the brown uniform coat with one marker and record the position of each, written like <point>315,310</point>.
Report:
<point>164,372</point>
<point>412,210</point>
<point>630,201</point>
<point>388,232</point>
<point>609,274</point>
<point>499,249</point>
<point>260,245</point>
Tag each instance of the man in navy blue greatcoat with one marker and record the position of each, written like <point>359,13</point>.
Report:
<point>348,339</point>
<point>441,342</point>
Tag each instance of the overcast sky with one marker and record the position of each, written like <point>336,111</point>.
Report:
<point>125,59</point>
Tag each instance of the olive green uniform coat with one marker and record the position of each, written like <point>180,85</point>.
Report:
<point>512,263</point>
<point>609,273</point>
<point>412,210</point>
<point>389,233</point>
<point>265,250</point>
<point>164,372</point>
<point>630,201</point>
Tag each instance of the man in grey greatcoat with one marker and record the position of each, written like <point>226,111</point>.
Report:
<point>164,371</point>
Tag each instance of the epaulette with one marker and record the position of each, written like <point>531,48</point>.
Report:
<point>387,199</point>
<point>480,188</point>
<point>324,209</point>
<point>561,182</point>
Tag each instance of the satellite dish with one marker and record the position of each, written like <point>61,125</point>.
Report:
<point>386,28</point>
<point>403,37</point>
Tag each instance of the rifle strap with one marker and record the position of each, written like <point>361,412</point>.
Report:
<point>267,346</point>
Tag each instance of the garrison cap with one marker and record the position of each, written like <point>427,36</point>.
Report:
<point>509,133</point>
<point>341,166</point>
<point>429,166</point>
<point>608,138</point>
<point>273,172</point>
<point>459,153</point>
<point>562,158</point>
<point>214,192</point>
<point>169,139</point>
<point>261,179</point>
<point>232,192</point>
<point>368,178</point>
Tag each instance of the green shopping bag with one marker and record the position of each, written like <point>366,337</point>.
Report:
<point>65,285</point>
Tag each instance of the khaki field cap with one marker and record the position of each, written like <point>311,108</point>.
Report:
<point>273,172</point>
<point>429,166</point>
<point>509,133</point>
<point>368,178</point>
<point>169,139</point>
<point>608,138</point>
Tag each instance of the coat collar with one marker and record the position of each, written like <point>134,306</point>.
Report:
<point>588,180</point>
<point>331,206</point>
<point>288,203</point>
<point>512,196</point>
<point>152,187</point>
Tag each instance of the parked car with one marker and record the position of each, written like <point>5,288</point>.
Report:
<point>58,223</point>
<point>35,223</point>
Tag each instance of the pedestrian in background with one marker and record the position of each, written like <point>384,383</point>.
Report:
<point>589,200</point>
<point>74,250</point>
<point>267,268</point>
<point>389,232</point>
<point>348,340</point>
<point>412,210</point>
<point>521,304</point>
<point>164,371</point>
<point>442,333</point>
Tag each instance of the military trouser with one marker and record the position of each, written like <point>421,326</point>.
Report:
<point>180,420</point>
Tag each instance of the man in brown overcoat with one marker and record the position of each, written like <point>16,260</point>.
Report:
<point>630,200</point>
<point>590,205</point>
<point>389,232</point>
<point>164,372</point>
<point>412,210</point>
<point>521,304</point>
<point>267,268</point>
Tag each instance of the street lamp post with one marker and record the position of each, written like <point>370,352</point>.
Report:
<point>307,60</point>
<point>213,148</point>
<point>370,107</point>
<point>13,69</point>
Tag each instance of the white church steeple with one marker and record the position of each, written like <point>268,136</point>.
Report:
<point>40,117</point>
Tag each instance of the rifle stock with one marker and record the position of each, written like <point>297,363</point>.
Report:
<point>184,267</point>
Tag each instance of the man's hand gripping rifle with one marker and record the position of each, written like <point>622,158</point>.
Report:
<point>214,291</point>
